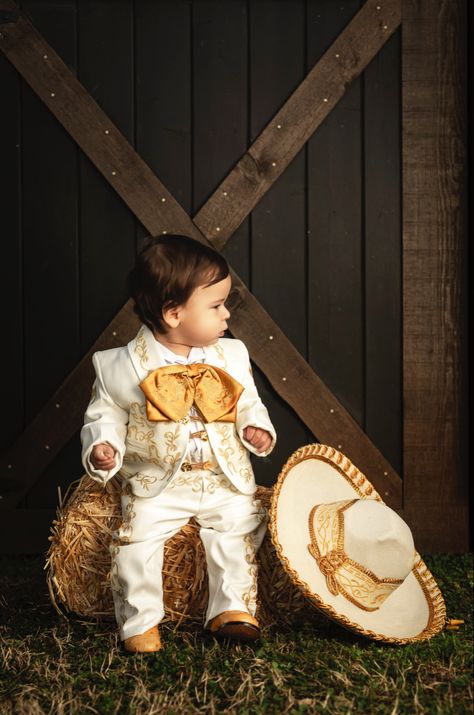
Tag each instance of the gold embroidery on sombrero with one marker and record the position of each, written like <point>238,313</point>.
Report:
<point>343,575</point>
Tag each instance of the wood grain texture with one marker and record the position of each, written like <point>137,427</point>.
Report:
<point>434,274</point>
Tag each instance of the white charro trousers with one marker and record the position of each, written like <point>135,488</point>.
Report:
<point>232,529</point>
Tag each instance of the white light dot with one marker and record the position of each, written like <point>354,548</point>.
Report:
<point>114,173</point>
<point>9,466</point>
<point>385,27</point>
<point>284,379</point>
<point>273,163</point>
<point>165,232</point>
<point>325,99</point>
<point>106,131</point>
<point>52,94</point>
<point>278,126</point>
<point>378,7</point>
<point>46,446</point>
<point>386,494</point>
<point>270,337</point>
<point>339,446</point>
<point>57,405</point>
<point>331,410</point>
<point>217,228</point>
<point>337,55</point>
<point>114,332</point>
<point>45,57</point>
<point>385,474</point>
<point>163,199</point>
<point>224,193</point>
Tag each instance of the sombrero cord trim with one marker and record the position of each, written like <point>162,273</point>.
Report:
<point>362,486</point>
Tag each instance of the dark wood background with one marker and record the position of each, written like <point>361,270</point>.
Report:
<point>190,85</point>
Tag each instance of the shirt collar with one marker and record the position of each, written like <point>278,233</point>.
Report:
<point>196,354</point>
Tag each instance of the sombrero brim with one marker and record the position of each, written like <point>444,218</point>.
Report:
<point>318,474</point>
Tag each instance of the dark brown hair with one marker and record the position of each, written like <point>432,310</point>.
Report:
<point>167,270</point>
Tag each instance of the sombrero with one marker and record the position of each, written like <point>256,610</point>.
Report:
<point>350,553</point>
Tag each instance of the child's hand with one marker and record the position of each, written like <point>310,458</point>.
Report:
<point>259,438</point>
<point>102,456</point>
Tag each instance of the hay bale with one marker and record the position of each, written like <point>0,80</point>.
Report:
<point>78,563</point>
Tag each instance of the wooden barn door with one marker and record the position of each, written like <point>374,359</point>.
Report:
<point>306,142</point>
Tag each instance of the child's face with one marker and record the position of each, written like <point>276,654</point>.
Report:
<point>202,320</point>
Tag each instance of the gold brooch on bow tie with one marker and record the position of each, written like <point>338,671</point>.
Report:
<point>171,390</point>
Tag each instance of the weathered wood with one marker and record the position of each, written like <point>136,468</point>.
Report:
<point>383,253</point>
<point>286,370</point>
<point>336,235</point>
<point>434,273</point>
<point>278,222</point>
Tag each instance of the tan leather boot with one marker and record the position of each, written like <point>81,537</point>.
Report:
<point>146,642</point>
<point>238,625</point>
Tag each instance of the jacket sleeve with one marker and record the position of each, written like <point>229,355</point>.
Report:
<point>104,421</point>
<point>250,409</point>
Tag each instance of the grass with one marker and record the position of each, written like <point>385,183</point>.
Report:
<point>55,665</point>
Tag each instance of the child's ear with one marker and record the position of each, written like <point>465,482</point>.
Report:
<point>172,316</point>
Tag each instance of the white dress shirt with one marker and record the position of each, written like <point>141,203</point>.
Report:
<point>199,450</point>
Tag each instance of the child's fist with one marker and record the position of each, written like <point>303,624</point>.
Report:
<point>103,456</point>
<point>259,438</point>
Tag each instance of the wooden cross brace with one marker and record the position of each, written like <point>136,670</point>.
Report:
<point>288,372</point>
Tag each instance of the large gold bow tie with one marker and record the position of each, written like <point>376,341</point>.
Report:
<point>172,389</point>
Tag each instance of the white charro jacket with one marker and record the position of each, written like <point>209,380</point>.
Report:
<point>150,453</point>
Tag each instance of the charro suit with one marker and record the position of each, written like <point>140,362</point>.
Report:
<point>150,453</point>
<point>158,497</point>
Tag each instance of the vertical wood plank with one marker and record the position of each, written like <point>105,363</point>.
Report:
<point>163,93</point>
<point>220,107</point>
<point>11,272</point>
<point>107,228</point>
<point>382,251</point>
<point>335,243</point>
<point>50,244</point>
<point>434,273</point>
<point>278,260</point>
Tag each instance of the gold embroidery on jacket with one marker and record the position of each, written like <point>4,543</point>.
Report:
<point>212,482</point>
<point>141,348</point>
<point>220,351</point>
<point>227,451</point>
